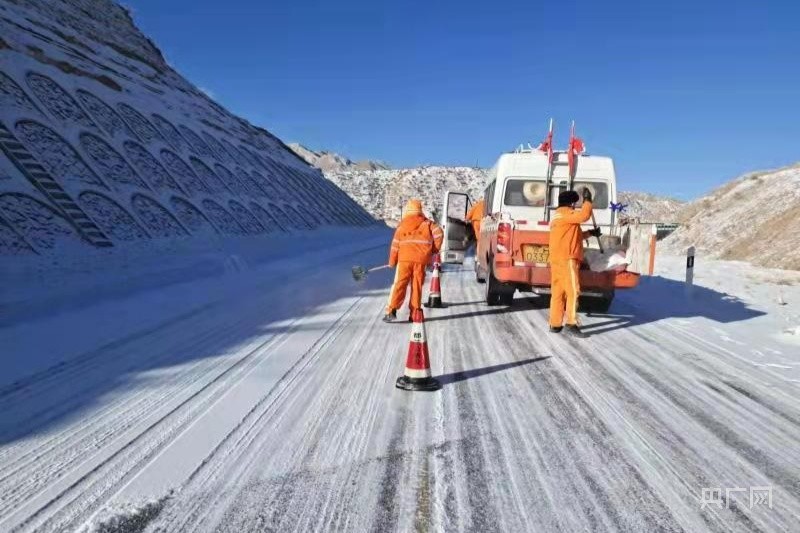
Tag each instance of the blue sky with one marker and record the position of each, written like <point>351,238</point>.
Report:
<point>684,94</point>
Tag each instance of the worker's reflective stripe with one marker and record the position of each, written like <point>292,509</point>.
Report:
<point>572,311</point>
<point>416,242</point>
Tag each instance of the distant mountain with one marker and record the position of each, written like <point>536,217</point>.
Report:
<point>754,218</point>
<point>333,162</point>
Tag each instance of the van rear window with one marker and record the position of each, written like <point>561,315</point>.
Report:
<point>599,193</point>
<point>531,192</point>
<point>524,193</point>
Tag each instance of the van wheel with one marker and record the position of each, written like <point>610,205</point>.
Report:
<point>506,298</point>
<point>480,276</point>
<point>492,296</point>
<point>496,293</point>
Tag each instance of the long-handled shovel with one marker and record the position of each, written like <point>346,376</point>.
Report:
<point>599,244</point>
<point>359,272</point>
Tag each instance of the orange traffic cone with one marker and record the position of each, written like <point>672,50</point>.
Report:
<point>435,296</point>
<point>418,363</point>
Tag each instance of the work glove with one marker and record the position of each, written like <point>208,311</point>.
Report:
<point>587,194</point>
<point>595,232</point>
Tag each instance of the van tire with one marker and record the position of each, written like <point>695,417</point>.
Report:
<point>506,298</point>
<point>480,276</point>
<point>491,294</point>
<point>495,292</point>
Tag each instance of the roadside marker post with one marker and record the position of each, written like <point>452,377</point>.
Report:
<point>651,264</point>
<point>689,270</point>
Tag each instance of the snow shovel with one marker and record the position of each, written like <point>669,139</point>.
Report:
<point>599,244</point>
<point>359,272</point>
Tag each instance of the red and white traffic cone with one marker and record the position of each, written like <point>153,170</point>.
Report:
<point>435,296</point>
<point>418,363</point>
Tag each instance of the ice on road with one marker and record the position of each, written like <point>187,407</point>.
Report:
<point>267,403</point>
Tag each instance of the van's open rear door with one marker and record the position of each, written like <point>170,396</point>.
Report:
<point>456,237</point>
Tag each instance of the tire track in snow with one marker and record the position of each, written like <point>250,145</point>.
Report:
<point>65,454</point>
<point>237,453</point>
<point>512,324</point>
<point>91,489</point>
<point>598,450</point>
<point>125,413</point>
<point>699,457</point>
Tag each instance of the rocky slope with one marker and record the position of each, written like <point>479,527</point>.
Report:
<point>650,207</point>
<point>753,218</point>
<point>103,144</point>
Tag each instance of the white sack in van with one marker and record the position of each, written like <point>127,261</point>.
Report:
<point>602,262</point>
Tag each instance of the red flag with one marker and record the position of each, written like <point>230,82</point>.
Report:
<point>575,148</point>
<point>547,145</point>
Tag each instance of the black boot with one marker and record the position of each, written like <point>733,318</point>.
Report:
<point>574,331</point>
<point>390,316</point>
<point>555,329</point>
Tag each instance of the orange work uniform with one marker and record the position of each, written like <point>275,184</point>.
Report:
<point>474,217</point>
<point>416,239</point>
<point>566,255</point>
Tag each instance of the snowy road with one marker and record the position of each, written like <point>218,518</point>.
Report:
<point>269,405</point>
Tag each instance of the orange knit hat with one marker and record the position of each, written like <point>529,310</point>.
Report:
<point>413,207</point>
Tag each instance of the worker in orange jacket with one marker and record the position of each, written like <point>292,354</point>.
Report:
<point>416,239</point>
<point>566,256</point>
<point>474,217</point>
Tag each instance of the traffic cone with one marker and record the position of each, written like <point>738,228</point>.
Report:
<point>435,296</point>
<point>418,363</point>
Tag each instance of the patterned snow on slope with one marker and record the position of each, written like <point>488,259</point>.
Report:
<point>156,218</point>
<point>40,224</point>
<point>89,100</point>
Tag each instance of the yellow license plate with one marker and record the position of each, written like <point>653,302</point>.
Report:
<point>535,253</point>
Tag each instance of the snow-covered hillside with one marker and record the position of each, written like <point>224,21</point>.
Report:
<point>383,191</point>
<point>103,145</point>
<point>650,207</point>
<point>753,218</point>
